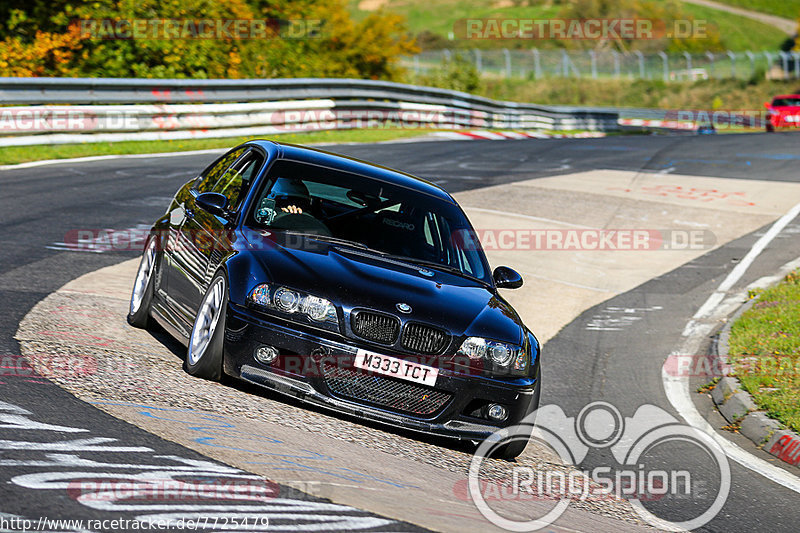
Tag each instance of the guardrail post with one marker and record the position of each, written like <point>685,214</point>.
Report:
<point>593,56</point>
<point>447,56</point>
<point>710,57</point>
<point>769,59</point>
<point>796,56</point>
<point>641,64</point>
<point>688,57</point>
<point>752,57</point>
<point>732,57</point>
<point>564,64</point>
<point>416,65</point>
<point>615,54</point>
<point>665,61</point>
<point>537,65</point>
<point>478,60</point>
<point>784,63</point>
<point>507,55</point>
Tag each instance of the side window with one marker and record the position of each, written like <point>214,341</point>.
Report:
<point>236,181</point>
<point>212,174</point>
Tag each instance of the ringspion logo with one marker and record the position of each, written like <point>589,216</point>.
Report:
<point>634,470</point>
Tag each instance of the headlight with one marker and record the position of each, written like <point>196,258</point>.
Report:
<point>501,354</point>
<point>293,302</point>
<point>506,358</point>
<point>286,300</point>
<point>318,309</point>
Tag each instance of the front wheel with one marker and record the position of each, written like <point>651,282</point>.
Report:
<point>204,356</point>
<point>513,449</point>
<point>142,295</point>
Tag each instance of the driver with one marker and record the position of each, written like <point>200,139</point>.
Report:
<point>290,195</point>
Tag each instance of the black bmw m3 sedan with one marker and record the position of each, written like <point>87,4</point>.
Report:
<point>349,285</point>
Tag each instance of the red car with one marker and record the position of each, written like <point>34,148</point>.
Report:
<point>783,112</point>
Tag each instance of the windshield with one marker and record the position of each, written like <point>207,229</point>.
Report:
<point>783,102</point>
<point>367,213</point>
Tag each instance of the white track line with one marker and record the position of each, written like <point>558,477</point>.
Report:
<point>46,162</point>
<point>677,388</point>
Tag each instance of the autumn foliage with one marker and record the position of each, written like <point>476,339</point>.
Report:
<point>50,39</point>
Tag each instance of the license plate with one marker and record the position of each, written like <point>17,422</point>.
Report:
<point>398,368</point>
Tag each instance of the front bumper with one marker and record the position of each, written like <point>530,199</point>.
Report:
<point>298,372</point>
<point>785,121</point>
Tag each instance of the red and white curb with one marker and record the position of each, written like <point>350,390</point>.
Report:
<point>668,124</point>
<point>513,135</point>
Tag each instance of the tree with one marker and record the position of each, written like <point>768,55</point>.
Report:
<point>305,38</point>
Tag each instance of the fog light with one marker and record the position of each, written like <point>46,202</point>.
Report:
<point>497,412</point>
<point>266,354</point>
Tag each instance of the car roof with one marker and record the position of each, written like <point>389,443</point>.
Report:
<point>786,96</point>
<point>351,164</point>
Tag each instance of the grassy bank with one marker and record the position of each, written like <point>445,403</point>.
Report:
<point>705,94</point>
<point>22,154</point>
<point>439,18</point>
<point>765,351</point>
<point>781,8</point>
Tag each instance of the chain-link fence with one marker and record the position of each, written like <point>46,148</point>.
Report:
<point>536,64</point>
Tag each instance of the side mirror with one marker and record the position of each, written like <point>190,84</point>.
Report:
<point>766,104</point>
<point>214,203</point>
<point>506,278</point>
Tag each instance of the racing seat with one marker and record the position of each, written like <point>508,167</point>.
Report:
<point>397,233</point>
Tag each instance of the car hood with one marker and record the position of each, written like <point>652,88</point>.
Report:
<point>352,278</point>
<point>786,109</point>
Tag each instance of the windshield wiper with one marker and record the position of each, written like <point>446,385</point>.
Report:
<point>334,240</point>
<point>436,264</point>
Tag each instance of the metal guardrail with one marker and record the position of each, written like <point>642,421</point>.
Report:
<point>537,64</point>
<point>68,110</point>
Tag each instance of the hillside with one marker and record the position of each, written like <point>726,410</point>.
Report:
<point>435,20</point>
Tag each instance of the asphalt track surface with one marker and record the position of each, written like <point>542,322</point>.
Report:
<point>581,365</point>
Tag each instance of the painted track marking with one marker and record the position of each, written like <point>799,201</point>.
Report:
<point>677,388</point>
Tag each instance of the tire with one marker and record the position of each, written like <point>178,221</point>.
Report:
<point>512,450</point>
<point>204,355</point>
<point>143,287</point>
<point>770,128</point>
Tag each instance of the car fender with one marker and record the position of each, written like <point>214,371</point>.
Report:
<point>244,272</point>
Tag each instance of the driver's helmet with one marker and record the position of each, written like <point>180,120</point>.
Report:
<point>286,192</point>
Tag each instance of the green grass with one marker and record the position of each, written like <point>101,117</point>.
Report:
<point>22,154</point>
<point>704,94</point>
<point>438,17</point>
<point>782,8</point>
<point>736,32</point>
<point>769,332</point>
